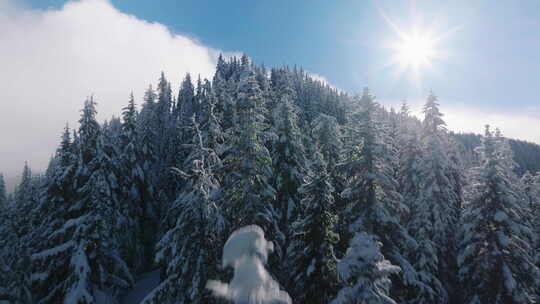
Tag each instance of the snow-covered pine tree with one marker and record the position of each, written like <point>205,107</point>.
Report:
<point>146,130</point>
<point>442,185</point>
<point>264,84</point>
<point>146,134</point>
<point>428,288</point>
<point>390,123</point>
<point>374,205</point>
<point>197,204</point>
<point>95,259</point>
<point>59,189</point>
<point>455,172</point>
<point>109,210</point>
<point>223,87</point>
<point>181,135</point>
<point>163,114</point>
<point>309,95</point>
<point>132,185</point>
<point>81,258</point>
<point>111,130</point>
<point>14,281</point>
<point>327,133</point>
<point>25,221</point>
<point>23,192</point>
<point>495,259</point>
<point>15,245</point>
<point>435,210</point>
<point>3,192</point>
<point>456,176</point>
<point>187,251</point>
<point>424,258</point>
<point>535,213</point>
<point>51,255</point>
<point>313,261</point>
<point>280,83</point>
<point>404,117</point>
<point>186,103</point>
<point>410,159</point>
<point>165,128</point>
<point>289,164</point>
<point>5,251</point>
<point>209,118</point>
<point>186,109</point>
<point>138,244</point>
<point>431,214</point>
<point>530,187</point>
<point>365,273</point>
<point>248,194</point>
<point>27,196</point>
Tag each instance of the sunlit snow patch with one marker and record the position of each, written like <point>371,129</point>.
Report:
<point>246,251</point>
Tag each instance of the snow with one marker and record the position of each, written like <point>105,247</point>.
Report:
<point>249,241</point>
<point>503,239</point>
<point>246,250</point>
<point>311,267</point>
<point>80,290</point>
<point>146,282</point>
<point>103,297</point>
<point>362,248</point>
<point>500,216</point>
<point>38,276</point>
<point>366,267</point>
<point>509,281</point>
<point>53,251</point>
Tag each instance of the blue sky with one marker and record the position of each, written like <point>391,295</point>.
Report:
<point>484,68</point>
<point>491,56</point>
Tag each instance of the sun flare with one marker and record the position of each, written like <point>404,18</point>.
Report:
<point>415,50</point>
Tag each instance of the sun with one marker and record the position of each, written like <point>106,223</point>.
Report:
<point>415,50</point>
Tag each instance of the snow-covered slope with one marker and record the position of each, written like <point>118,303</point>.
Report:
<point>144,285</point>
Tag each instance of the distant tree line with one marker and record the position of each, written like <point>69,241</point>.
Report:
<point>526,154</point>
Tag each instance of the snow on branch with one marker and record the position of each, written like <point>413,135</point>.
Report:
<point>246,251</point>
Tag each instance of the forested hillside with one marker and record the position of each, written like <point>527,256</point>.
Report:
<point>526,154</point>
<point>363,204</point>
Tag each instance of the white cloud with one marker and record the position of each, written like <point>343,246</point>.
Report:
<point>51,60</point>
<point>519,125</point>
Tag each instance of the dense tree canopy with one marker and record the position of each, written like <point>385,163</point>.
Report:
<point>362,204</point>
